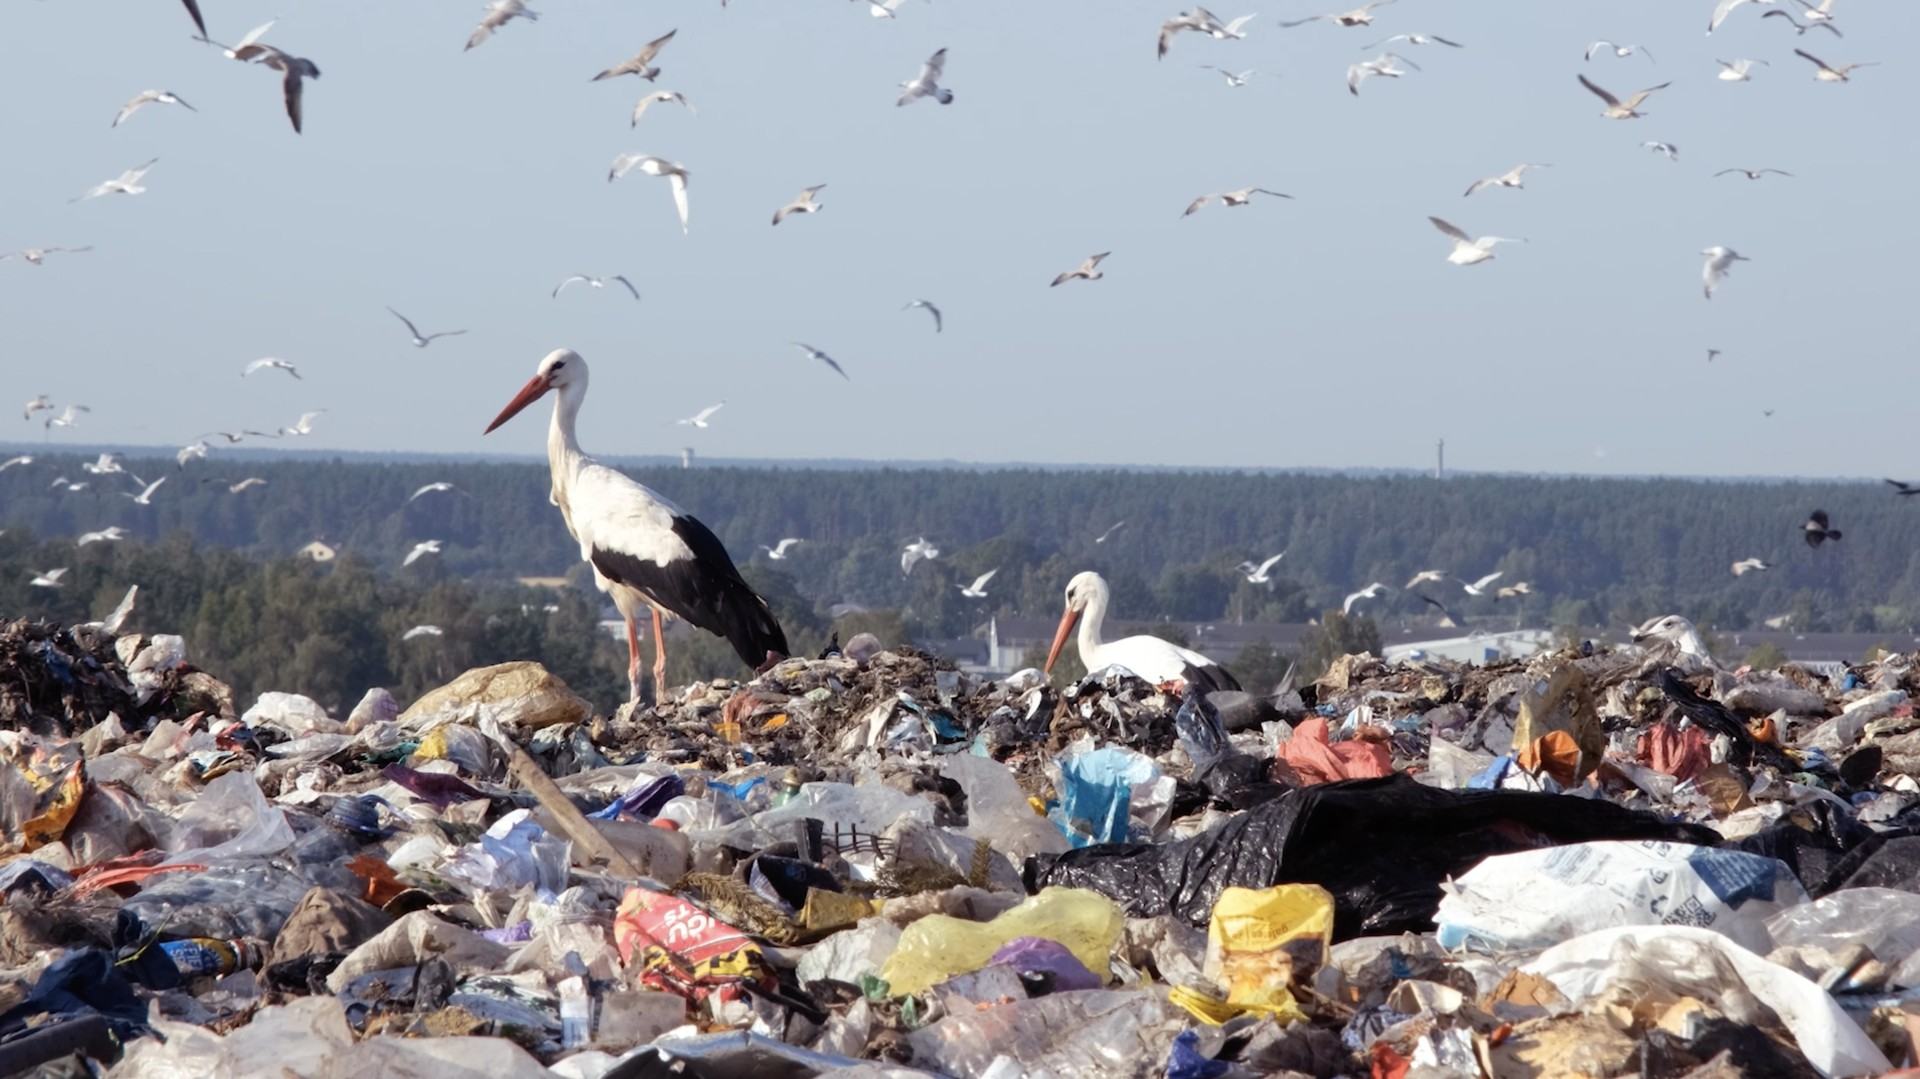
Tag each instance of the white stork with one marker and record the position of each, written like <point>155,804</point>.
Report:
<point>1151,658</point>
<point>644,550</point>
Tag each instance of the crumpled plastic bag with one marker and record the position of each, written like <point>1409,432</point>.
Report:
<point>938,947</point>
<point>1538,898</point>
<point>1261,941</point>
<point>292,713</point>
<point>1708,966</point>
<point>1682,754</point>
<point>1315,761</point>
<point>1096,793</point>
<point>230,820</point>
<point>1085,1034</point>
<point>414,939</point>
<point>42,782</point>
<point>997,809</point>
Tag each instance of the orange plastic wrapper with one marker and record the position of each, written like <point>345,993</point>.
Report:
<point>1315,761</point>
<point>1556,753</point>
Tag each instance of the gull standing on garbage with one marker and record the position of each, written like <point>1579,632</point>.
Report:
<point>646,553</point>
<point>1086,271</point>
<point>1260,574</point>
<point>421,340</point>
<point>145,497</point>
<point>437,487</point>
<point>1380,65</point>
<point>1720,261</point>
<point>595,282</point>
<point>270,364</point>
<point>675,173</point>
<point>931,310</point>
<point>927,83</point>
<point>802,204</point>
<point>500,13</point>
<point>1749,565</point>
<point>1675,630</point>
<point>655,98</point>
<point>1157,661</point>
<point>1360,16</point>
<point>1479,587</point>
<point>778,552</point>
<point>149,97</point>
<point>49,579</point>
<point>1242,197</point>
<point>1510,178</point>
<point>421,550</point>
<point>641,63</point>
<point>127,183</point>
<point>1617,109</point>
<point>700,418</point>
<point>978,589</point>
<point>1738,70</point>
<point>816,354</point>
<point>1825,72</point>
<point>911,555</point>
<point>1468,251</point>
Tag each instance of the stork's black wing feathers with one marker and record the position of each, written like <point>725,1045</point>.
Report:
<point>1210,679</point>
<point>705,590</point>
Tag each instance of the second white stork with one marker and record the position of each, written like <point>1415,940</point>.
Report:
<point>1153,659</point>
<point>646,553</point>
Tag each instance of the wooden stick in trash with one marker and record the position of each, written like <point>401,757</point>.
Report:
<point>574,825</point>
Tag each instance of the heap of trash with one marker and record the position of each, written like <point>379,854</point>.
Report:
<point>1591,862</point>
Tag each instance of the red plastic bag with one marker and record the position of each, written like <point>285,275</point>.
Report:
<point>1315,761</point>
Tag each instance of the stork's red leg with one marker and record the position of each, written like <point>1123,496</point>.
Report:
<point>633,660</point>
<point>659,658</point>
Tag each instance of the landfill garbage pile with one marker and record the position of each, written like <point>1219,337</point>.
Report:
<point>1591,862</point>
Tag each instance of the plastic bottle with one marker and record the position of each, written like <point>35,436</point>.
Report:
<point>206,956</point>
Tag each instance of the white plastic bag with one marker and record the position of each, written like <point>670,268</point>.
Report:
<point>1538,898</point>
<point>230,820</point>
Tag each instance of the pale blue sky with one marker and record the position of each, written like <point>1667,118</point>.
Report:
<point>1328,331</point>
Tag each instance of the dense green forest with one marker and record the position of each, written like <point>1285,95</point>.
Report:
<point>1596,551</point>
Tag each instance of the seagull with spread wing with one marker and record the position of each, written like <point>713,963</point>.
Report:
<point>675,173</point>
<point>1617,109</point>
<point>1087,271</point>
<point>1468,251</point>
<point>421,340</point>
<point>816,354</point>
<point>802,204</point>
<point>595,282</point>
<point>1241,197</point>
<point>930,309</point>
<point>978,589</point>
<point>700,418</point>
<point>270,363</point>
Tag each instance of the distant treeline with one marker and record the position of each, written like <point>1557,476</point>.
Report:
<point>1596,552</point>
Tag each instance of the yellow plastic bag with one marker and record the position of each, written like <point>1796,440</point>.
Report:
<point>938,947</point>
<point>1257,941</point>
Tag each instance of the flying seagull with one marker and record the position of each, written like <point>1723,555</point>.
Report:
<point>700,418</point>
<point>109,534</point>
<point>107,464</point>
<point>1086,271</point>
<point>1820,12</point>
<point>149,97</point>
<point>1617,109</point>
<point>642,62</point>
<point>1904,489</point>
<point>68,417</point>
<point>816,354</point>
<point>1199,19</point>
<point>1372,591</point>
<point>247,49</point>
<point>658,96</point>
<point>23,459</point>
<point>437,487</point>
<point>1360,16</point>
<point>978,589</point>
<point>1711,353</point>
<point>305,424</point>
<point>1262,573</point>
<point>1234,79</point>
<point>927,83</point>
<point>422,340</point>
<point>1817,530</point>
<point>675,173</point>
<point>1233,198</point>
<point>1518,588</point>
<point>1510,178</point>
<point>421,550</point>
<point>1382,65</point>
<point>778,552</point>
<point>250,481</point>
<point>1620,51</point>
<point>1479,587</point>
<point>193,451</point>
<point>1233,30</point>
<point>1749,565</point>
<point>1424,575</point>
<point>317,551</point>
<point>1671,152</point>
<point>879,9</point>
<point>911,555</point>
<point>294,71</point>
<point>270,364</point>
<point>41,403</point>
<point>1802,28</point>
<point>145,497</point>
<point>423,630</point>
<point>1720,261</point>
<point>500,13</point>
<point>37,256</point>
<point>802,204</point>
<point>127,183</point>
<point>1466,250</point>
<point>1754,174</point>
<point>1414,39</point>
<point>595,282</point>
<point>48,579</point>
<point>1725,7</point>
<point>1108,534</point>
<point>1825,72</point>
<point>931,310</point>
<point>1738,70</point>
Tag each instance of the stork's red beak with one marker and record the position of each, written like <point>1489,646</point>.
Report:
<point>1060,636</point>
<point>536,387</point>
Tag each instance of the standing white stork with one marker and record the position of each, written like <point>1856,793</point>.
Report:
<point>1151,658</point>
<point>644,550</point>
